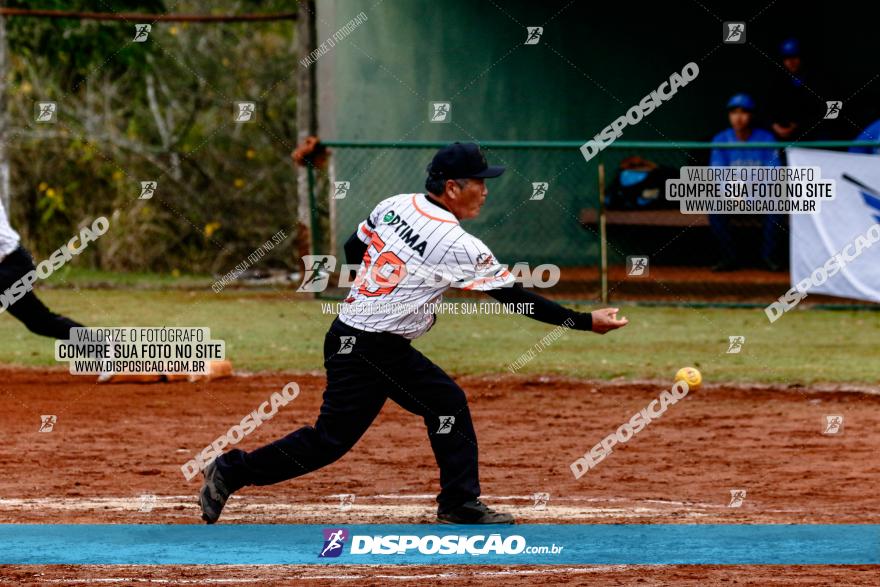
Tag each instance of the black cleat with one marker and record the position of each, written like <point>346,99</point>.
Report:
<point>213,495</point>
<point>473,512</point>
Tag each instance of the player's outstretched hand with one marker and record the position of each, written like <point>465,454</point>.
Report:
<point>606,319</point>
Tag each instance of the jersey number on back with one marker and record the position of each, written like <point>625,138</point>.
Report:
<point>381,274</point>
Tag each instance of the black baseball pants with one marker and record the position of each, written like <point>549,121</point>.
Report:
<point>359,380</point>
<point>29,309</point>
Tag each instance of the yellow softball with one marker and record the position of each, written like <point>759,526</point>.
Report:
<point>690,376</point>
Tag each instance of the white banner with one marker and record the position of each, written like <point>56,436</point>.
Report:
<point>840,226</point>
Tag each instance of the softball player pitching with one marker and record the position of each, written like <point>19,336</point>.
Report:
<point>407,240</point>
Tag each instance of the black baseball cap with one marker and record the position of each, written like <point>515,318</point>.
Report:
<point>461,161</point>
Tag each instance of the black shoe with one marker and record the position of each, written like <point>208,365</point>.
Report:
<point>770,264</point>
<point>725,265</point>
<point>213,495</point>
<point>473,512</point>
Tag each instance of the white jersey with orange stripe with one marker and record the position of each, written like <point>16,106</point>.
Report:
<point>416,250</point>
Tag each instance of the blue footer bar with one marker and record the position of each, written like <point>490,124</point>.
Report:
<point>539,544</point>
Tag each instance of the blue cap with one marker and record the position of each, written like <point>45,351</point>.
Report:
<point>790,48</point>
<point>743,101</point>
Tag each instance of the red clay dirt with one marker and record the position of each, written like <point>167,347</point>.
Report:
<point>113,444</point>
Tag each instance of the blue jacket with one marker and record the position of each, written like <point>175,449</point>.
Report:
<point>746,157</point>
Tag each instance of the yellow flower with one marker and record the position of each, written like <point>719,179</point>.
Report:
<point>50,193</point>
<point>239,182</point>
<point>25,87</point>
<point>173,30</point>
<point>43,186</point>
<point>250,153</point>
<point>175,273</point>
<point>211,228</point>
<point>117,175</point>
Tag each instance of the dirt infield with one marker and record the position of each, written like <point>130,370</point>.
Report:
<point>359,575</point>
<point>113,444</point>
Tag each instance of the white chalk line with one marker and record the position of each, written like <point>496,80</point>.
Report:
<point>133,501</point>
<point>408,506</point>
<point>403,508</point>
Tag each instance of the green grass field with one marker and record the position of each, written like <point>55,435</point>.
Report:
<point>269,331</point>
